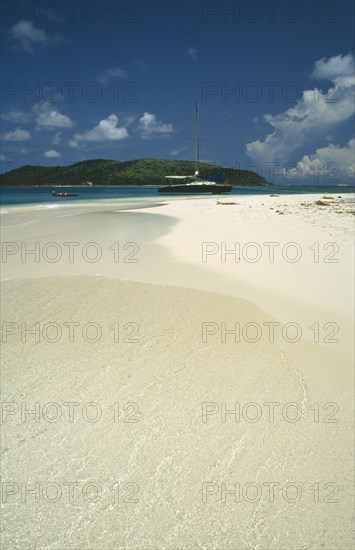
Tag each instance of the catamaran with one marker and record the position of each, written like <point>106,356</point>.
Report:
<point>199,184</point>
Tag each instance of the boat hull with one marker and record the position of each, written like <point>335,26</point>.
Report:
<point>196,189</point>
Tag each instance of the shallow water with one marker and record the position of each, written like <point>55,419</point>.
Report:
<point>145,422</point>
<point>43,195</point>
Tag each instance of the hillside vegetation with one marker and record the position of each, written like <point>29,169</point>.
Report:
<point>113,172</point>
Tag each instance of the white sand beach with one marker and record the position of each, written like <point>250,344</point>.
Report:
<point>189,365</point>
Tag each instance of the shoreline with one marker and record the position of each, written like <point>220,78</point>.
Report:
<point>172,237</point>
<point>121,204</point>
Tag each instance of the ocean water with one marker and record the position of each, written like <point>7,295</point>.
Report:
<point>42,195</point>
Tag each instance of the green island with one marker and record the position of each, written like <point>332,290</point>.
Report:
<point>113,172</point>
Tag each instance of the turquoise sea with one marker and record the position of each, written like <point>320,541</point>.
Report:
<point>42,195</point>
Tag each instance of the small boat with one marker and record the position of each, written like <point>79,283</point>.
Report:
<point>199,184</point>
<point>64,194</point>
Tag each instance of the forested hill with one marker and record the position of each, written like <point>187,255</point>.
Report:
<point>113,172</point>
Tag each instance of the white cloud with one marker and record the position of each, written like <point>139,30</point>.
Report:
<point>149,126</point>
<point>17,135</point>
<point>338,65</point>
<point>192,52</point>
<point>314,115</point>
<point>2,157</point>
<point>111,74</point>
<point>48,117</point>
<point>17,117</point>
<point>332,162</point>
<point>106,130</point>
<point>51,154</point>
<point>27,36</point>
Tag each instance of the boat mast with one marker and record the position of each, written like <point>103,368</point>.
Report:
<point>197,153</point>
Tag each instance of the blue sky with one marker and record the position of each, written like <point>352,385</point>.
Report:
<point>119,80</point>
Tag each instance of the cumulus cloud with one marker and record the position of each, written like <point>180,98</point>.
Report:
<point>17,135</point>
<point>51,154</point>
<point>17,117</point>
<point>338,65</point>
<point>111,74</point>
<point>192,52</point>
<point>311,117</point>
<point>149,127</point>
<point>47,117</point>
<point>329,163</point>
<point>106,130</point>
<point>27,37</point>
